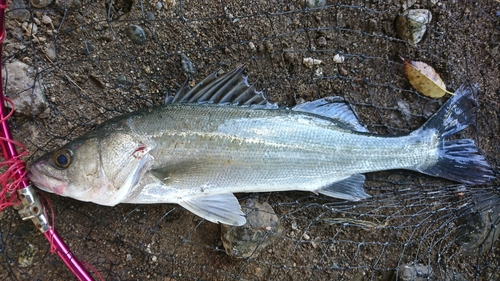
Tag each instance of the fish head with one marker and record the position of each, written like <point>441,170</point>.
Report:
<point>70,171</point>
<point>93,168</point>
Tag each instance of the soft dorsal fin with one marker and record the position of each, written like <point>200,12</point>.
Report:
<point>334,108</point>
<point>230,88</point>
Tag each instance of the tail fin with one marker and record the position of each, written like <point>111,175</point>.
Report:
<point>459,160</point>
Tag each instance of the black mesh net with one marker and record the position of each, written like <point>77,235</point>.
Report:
<point>80,67</point>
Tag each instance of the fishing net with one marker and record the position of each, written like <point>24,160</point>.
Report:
<point>72,64</point>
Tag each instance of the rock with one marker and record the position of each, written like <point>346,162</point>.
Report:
<point>41,3</point>
<point>321,42</point>
<point>314,3</point>
<point>121,79</point>
<point>476,224</point>
<point>136,34</point>
<point>269,46</point>
<point>50,51</point>
<point>412,24</point>
<point>261,229</point>
<point>150,15</point>
<point>289,57</point>
<point>414,272</point>
<point>252,46</point>
<point>142,87</point>
<point>18,11</point>
<point>46,20</point>
<point>372,25</point>
<point>187,65</point>
<point>24,88</point>
<point>68,5</point>
<point>159,5</point>
<point>27,256</point>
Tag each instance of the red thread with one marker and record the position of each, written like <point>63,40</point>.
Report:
<point>10,183</point>
<point>92,269</point>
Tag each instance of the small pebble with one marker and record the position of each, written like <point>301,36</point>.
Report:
<point>142,87</point>
<point>321,42</point>
<point>159,6</point>
<point>314,3</point>
<point>372,25</point>
<point>343,72</point>
<point>252,46</point>
<point>150,15</point>
<point>269,46</point>
<point>121,79</point>
<point>98,27</point>
<point>46,19</point>
<point>338,58</point>
<point>136,34</point>
<point>289,56</point>
<point>50,51</point>
<point>318,72</point>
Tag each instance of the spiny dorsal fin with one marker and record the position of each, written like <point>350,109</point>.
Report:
<point>230,88</point>
<point>334,108</point>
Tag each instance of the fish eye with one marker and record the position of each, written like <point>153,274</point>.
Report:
<point>62,158</point>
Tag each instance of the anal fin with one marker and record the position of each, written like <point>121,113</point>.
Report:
<point>347,189</point>
<point>223,208</point>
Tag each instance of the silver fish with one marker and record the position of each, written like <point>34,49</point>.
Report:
<point>222,137</point>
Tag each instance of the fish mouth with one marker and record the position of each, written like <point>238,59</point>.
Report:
<point>49,184</point>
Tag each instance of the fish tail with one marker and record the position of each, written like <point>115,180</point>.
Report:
<point>458,160</point>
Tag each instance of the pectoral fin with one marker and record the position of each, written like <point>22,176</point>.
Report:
<point>223,208</point>
<point>348,189</point>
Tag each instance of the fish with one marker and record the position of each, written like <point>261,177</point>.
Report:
<point>222,136</point>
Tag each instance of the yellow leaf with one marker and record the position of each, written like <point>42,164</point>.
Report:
<point>424,79</point>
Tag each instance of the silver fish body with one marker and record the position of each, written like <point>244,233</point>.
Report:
<point>197,153</point>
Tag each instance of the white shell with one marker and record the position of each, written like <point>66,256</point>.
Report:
<point>310,62</point>
<point>338,58</point>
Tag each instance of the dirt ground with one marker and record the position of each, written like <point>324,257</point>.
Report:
<point>91,71</point>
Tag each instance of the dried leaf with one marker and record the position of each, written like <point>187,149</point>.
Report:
<point>424,79</point>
